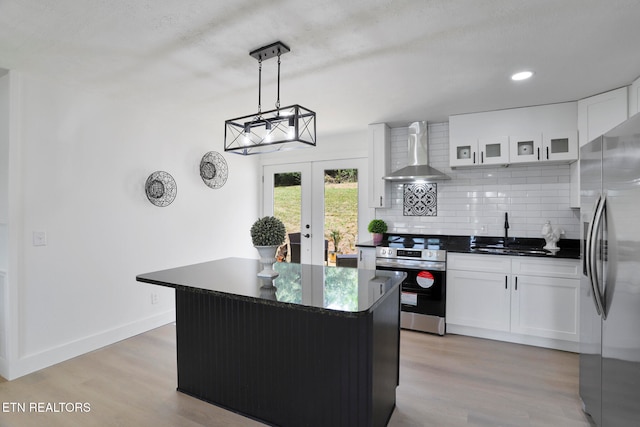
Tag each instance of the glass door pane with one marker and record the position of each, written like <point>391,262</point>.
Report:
<point>341,215</point>
<point>318,202</point>
<point>287,196</point>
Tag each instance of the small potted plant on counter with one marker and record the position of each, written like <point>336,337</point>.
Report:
<point>377,228</point>
<point>267,234</point>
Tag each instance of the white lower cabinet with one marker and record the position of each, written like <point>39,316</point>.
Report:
<point>518,299</point>
<point>545,307</point>
<point>480,300</point>
<point>367,257</point>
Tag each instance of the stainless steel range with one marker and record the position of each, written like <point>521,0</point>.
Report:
<point>423,258</point>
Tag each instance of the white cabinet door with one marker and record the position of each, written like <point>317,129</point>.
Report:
<point>494,150</point>
<point>367,258</point>
<point>600,113</point>
<point>559,146</point>
<point>379,158</point>
<point>545,307</point>
<point>525,148</point>
<point>478,299</point>
<point>596,115</point>
<point>463,152</point>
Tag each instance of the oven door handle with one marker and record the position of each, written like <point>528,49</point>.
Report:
<point>411,265</point>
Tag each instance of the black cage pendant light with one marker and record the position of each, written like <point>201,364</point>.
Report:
<point>283,128</point>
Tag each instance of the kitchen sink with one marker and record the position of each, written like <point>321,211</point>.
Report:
<point>509,250</point>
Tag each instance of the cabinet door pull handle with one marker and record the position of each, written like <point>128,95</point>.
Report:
<point>547,153</point>
<point>474,157</point>
<point>482,157</point>
<point>538,153</point>
<point>516,283</point>
<point>505,282</point>
<point>361,255</point>
<point>381,201</point>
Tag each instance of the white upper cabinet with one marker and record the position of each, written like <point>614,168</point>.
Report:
<point>379,165</point>
<point>526,135</point>
<point>601,113</point>
<point>597,115</point>
<point>551,146</point>
<point>479,151</point>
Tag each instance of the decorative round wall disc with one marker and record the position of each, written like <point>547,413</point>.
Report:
<point>161,188</point>
<point>213,169</point>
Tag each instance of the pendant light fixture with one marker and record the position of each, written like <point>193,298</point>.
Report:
<point>283,128</point>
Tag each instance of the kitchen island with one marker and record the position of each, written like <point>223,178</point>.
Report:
<point>320,348</point>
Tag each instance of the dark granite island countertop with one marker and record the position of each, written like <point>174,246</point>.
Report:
<point>321,348</point>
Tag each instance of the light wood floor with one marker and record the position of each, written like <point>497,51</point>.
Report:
<point>444,381</point>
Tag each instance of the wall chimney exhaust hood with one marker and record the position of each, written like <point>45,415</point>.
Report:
<point>418,169</point>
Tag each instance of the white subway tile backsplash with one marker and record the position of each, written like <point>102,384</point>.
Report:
<point>474,198</point>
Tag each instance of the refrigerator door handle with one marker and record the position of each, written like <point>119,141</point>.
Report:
<point>588,252</point>
<point>600,281</point>
<point>592,254</point>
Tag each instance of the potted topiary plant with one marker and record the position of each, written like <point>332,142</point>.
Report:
<point>267,234</point>
<point>377,227</point>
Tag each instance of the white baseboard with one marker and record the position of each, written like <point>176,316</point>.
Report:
<point>34,362</point>
<point>556,344</point>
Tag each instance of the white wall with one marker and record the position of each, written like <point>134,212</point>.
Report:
<point>4,212</point>
<point>85,159</point>
<point>4,167</point>
<point>480,197</point>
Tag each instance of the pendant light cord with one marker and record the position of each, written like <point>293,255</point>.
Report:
<point>259,86</point>
<point>278,101</point>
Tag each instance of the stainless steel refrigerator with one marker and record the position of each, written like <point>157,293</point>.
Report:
<point>610,285</point>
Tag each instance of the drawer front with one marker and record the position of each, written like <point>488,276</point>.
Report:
<point>486,263</point>
<point>562,268</point>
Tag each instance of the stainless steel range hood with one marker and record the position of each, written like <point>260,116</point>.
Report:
<point>418,168</point>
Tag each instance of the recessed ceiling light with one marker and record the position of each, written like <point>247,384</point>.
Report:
<point>522,75</point>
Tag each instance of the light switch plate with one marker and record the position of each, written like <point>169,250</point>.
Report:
<point>39,238</point>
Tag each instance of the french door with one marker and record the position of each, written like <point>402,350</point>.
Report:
<point>320,203</point>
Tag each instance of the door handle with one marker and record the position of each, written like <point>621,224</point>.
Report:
<point>591,255</point>
<point>599,281</point>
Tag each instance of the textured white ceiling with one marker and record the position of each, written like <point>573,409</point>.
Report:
<point>353,61</point>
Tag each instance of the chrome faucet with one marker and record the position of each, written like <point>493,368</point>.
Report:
<point>506,227</point>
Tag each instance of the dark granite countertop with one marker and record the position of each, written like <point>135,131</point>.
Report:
<point>339,289</point>
<point>569,248</point>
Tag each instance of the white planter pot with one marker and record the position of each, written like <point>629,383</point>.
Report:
<point>267,259</point>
